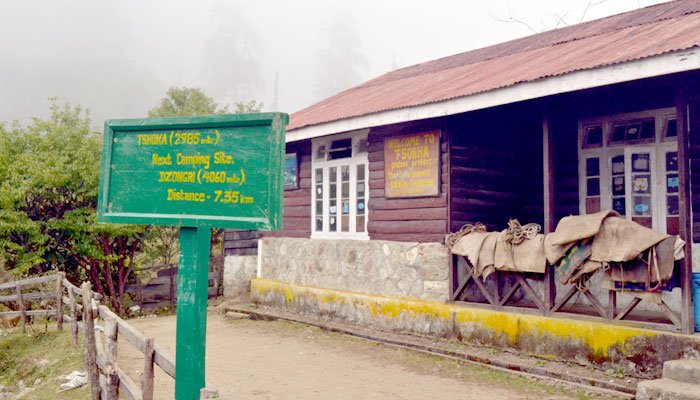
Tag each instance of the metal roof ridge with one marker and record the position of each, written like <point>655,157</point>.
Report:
<point>499,87</point>
<point>382,78</point>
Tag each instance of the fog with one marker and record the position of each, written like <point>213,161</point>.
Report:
<point>117,58</point>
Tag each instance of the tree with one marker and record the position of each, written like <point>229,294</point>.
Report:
<point>161,244</point>
<point>341,63</point>
<point>185,102</point>
<point>232,69</point>
<point>49,173</point>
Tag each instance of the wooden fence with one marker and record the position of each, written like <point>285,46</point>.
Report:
<point>81,308</point>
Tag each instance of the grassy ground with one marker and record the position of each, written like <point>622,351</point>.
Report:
<point>39,355</point>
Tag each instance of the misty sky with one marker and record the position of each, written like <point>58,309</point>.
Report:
<point>118,58</point>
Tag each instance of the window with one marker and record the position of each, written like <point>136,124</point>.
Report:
<point>629,163</point>
<point>340,186</point>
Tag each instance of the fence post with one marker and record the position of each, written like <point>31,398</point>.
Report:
<point>22,310</point>
<point>73,316</point>
<point>90,344</point>
<point>59,301</point>
<point>147,376</point>
<point>111,359</point>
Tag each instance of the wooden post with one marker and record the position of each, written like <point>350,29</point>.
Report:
<point>208,393</point>
<point>193,286</point>
<point>22,310</point>
<point>550,288</point>
<point>90,343</point>
<point>685,131</point>
<point>147,376</point>
<point>73,316</point>
<point>111,359</point>
<point>59,301</point>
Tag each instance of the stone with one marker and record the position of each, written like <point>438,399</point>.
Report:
<point>686,370</point>
<point>235,315</point>
<point>238,272</point>
<point>378,267</point>
<point>667,389</point>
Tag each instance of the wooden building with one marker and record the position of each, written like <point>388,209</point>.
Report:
<point>559,123</point>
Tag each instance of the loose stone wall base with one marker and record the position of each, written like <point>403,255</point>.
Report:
<point>640,351</point>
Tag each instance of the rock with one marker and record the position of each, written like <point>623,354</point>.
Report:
<point>41,364</point>
<point>235,315</point>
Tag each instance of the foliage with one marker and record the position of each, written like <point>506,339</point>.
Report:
<point>49,174</point>
<point>185,102</point>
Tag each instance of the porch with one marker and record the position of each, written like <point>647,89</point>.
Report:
<point>577,149</point>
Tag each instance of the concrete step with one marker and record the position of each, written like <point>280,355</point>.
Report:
<point>667,389</point>
<point>686,370</point>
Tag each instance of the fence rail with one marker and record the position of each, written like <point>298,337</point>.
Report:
<point>107,380</point>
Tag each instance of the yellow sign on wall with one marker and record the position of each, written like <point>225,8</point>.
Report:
<point>412,165</point>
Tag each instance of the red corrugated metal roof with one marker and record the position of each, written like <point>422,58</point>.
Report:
<point>617,39</point>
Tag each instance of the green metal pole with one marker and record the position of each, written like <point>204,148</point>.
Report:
<point>192,293</point>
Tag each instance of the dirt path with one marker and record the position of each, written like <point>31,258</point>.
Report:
<point>279,360</point>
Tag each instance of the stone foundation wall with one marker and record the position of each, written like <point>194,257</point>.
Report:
<point>418,270</point>
<point>238,272</point>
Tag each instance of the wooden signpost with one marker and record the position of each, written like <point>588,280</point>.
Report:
<point>198,173</point>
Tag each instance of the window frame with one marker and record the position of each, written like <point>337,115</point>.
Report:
<point>352,162</point>
<point>607,151</point>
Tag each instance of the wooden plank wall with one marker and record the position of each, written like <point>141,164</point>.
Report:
<point>420,219</point>
<point>496,171</point>
<point>296,210</point>
<point>297,202</point>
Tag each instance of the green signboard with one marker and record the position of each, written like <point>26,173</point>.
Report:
<point>219,171</point>
<point>222,171</point>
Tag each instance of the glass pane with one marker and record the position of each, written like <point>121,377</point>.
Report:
<point>641,205</point>
<point>672,161</point>
<point>340,149</point>
<point>345,226</point>
<point>360,223</point>
<point>319,224</point>
<point>641,184</point>
<point>592,205</point>
<point>345,173</point>
<point>594,136</point>
<point>593,187</point>
<point>319,175</point>
<point>671,128</point>
<point>333,226</point>
<point>618,134</point>
<point>319,208</point>
<point>361,146</point>
<point>346,207</point>
<point>618,185</point>
<point>619,205</point>
<point>632,132</point>
<point>618,165</point>
<point>361,172</point>
<point>592,166</point>
<point>672,205</point>
<point>647,132</point>
<point>321,152</point>
<point>640,162</point>
<point>672,183</point>
<point>360,206</point>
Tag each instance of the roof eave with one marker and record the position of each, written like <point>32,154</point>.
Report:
<point>663,64</point>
